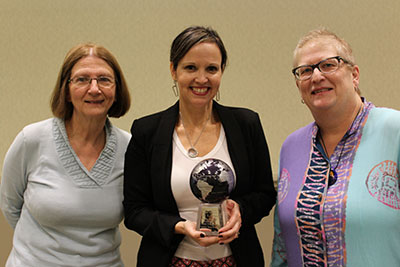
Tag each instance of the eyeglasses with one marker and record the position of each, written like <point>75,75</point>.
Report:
<point>84,81</point>
<point>325,66</point>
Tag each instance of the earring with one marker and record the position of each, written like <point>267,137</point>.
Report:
<point>302,101</point>
<point>175,89</point>
<point>217,96</point>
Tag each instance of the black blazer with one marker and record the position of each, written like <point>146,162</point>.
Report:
<point>149,206</point>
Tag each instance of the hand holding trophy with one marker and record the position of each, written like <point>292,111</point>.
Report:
<point>211,181</point>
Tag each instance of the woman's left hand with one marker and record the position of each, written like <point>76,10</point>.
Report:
<point>231,229</point>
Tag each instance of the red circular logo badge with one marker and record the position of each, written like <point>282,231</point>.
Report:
<point>383,183</point>
<point>283,186</point>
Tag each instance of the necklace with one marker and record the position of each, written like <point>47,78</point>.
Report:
<point>332,171</point>
<point>192,151</point>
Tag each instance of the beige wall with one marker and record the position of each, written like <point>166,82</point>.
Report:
<point>259,36</point>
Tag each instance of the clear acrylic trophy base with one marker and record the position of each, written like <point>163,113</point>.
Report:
<point>211,217</point>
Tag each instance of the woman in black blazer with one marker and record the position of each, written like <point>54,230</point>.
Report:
<point>167,145</point>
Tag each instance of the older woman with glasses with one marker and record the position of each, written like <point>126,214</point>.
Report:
<point>62,177</point>
<point>338,190</point>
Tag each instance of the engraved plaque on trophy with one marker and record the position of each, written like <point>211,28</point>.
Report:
<point>211,181</point>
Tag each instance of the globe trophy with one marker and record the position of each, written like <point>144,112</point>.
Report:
<point>211,181</point>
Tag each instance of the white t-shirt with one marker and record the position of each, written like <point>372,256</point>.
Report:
<point>182,166</point>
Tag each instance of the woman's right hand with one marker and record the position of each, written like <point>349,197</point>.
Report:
<point>188,228</point>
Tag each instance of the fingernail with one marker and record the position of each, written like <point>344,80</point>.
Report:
<point>220,236</point>
<point>222,243</point>
<point>202,235</point>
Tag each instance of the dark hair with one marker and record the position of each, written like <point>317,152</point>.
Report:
<point>192,36</point>
<point>62,108</point>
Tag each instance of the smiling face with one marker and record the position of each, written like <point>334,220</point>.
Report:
<point>198,74</point>
<point>91,101</point>
<point>334,90</point>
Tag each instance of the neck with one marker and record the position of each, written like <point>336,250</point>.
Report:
<point>337,123</point>
<point>84,130</point>
<point>333,128</point>
<point>195,116</point>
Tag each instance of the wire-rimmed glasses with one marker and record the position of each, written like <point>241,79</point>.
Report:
<point>84,81</point>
